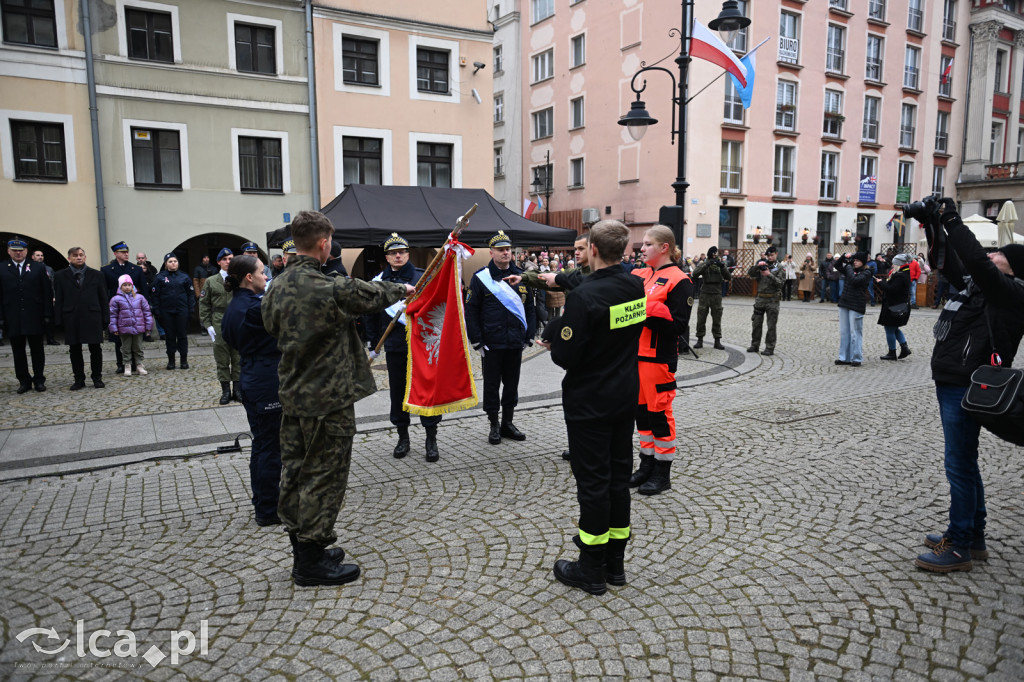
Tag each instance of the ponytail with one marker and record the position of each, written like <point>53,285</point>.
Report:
<point>240,267</point>
<point>663,235</point>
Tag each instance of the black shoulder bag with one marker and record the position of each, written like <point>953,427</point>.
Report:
<point>995,397</point>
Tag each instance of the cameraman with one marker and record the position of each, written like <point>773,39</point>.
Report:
<point>770,278</point>
<point>712,273</point>
<point>984,283</point>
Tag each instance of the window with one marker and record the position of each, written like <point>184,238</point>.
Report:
<point>1010,5</point>
<point>995,149</point>
<point>543,123</point>
<point>498,66</point>
<point>259,164</point>
<point>543,66</point>
<point>739,42</point>
<point>873,61</point>
<point>732,166</point>
<point>838,4</point>
<point>1020,144</point>
<point>912,68</point>
<point>835,51</point>
<point>499,167</point>
<point>869,166</point>
<point>938,180</point>
<point>789,38</point>
<point>433,164</point>
<point>829,174</point>
<point>39,151</point>
<point>833,126</point>
<point>785,106</point>
<point>541,179</point>
<point>432,71</point>
<point>908,114</point>
<point>149,35</point>
<point>733,103</point>
<point>728,227</point>
<point>872,105</point>
<point>576,113</point>
<point>579,51</point>
<point>499,108</point>
<point>949,20</point>
<point>29,22</point>
<point>942,132</point>
<point>359,61</point>
<point>783,176</point>
<point>945,79</point>
<point>362,160</point>
<point>255,49</point>
<point>1000,79</point>
<point>876,9</point>
<point>156,158</point>
<point>541,9</point>
<point>905,177</point>
<point>576,172</point>
<point>914,16</point>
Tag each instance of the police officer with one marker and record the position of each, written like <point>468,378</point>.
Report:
<point>334,266</point>
<point>770,278</point>
<point>500,323</point>
<point>715,274</point>
<point>287,249</point>
<point>112,271</point>
<point>595,341</point>
<point>251,249</point>
<point>172,300</point>
<point>213,301</point>
<point>400,271</point>
<point>26,308</point>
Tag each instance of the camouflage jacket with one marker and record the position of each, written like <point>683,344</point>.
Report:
<point>213,301</point>
<point>769,287</point>
<point>313,316</point>
<point>531,278</point>
<point>713,271</point>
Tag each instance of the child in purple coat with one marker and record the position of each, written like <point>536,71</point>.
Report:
<point>130,318</point>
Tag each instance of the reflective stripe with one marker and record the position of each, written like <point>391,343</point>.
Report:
<point>665,443</point>
<point>618,533</point>
<point>625,314</point>
<point>646,451</point>
<point>588,539</point>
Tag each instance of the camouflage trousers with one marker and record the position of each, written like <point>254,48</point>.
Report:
<point>763,307</point>
<point>710,301</point>
<point>315,456</point>
<point>229,362</point>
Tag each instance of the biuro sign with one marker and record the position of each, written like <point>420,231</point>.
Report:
<point>98,643</point>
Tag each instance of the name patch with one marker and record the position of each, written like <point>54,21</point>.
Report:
<point>625,314</point>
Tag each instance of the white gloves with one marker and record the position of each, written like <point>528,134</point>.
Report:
<point>480,349</point>
<point>374,355</point>
<point>212,333</point>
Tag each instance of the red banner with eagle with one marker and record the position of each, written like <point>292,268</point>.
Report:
<point>440,376</point>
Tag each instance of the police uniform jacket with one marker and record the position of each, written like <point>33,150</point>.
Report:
<point>378,322</point>
<point>598,349</point>
<point>172,292</point>
<point>213,301</point>
<point>489,322</point>
<point>83,308</point>
<point>113,270</point>
<point>323,367</point>
<point>26,300</point>
<point>243,330</point>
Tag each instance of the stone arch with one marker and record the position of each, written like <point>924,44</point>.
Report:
<point>52,256</point>
<point>191,251</point>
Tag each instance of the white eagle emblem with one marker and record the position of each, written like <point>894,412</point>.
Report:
<point>431,334</point>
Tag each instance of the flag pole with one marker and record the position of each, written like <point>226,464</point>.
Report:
<point>460,224</point>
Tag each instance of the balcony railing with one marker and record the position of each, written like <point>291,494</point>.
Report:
<point>907,137</point>
<point>789,49</point>
<point>876,9</point>
<point>783,186</point>
<point>914,19</point>
<point>499,170</point>
<point>911,77</point>
<point>873,69</point>
<point>1004,171</point>
<point>946,87</point>
<point>941,142</point>
<point>731,177</point>
<point>834,60</point>
<point>870,131</point>
<point>827,189</point>
<point>949,30</point>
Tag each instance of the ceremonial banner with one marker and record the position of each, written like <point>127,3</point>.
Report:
<point>440,373</point>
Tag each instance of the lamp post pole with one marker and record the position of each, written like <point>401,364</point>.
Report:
<point>547,188</point>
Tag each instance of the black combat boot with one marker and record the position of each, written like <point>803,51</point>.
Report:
<point>184,361</point>
<point>904,350</point>
<point>170,361</point>
<point>615,561</point>
<point>225,396</point>
<point>494,437</point>
<point>313,567</point>
<point>718,344</point>
<point>335,554</point>
<point>700,342</point>
<point>430,446</point>
<point>659,481</point>
<point>402,449</point>
<point>891,355</point>
<point>587,573</point>
<point>508,429</point>
<point>236,393</point>
<point>643,472</point>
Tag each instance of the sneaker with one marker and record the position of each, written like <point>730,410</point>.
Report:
<point>127,371</point>
<point>945,557</point>
<point>142,370</point>
<point>978,549</point>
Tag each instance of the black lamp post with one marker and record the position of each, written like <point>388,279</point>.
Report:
<point>729,21</point>
<point>544,187</point>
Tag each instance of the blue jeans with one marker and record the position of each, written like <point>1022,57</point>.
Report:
<point>851,335</point>
<point>833,290</point>
<point>842,285</point>
<point>966,491</point>
<point>894,335</point>
<point>913,293</point>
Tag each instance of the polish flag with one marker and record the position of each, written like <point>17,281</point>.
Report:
<point>945,74</point>
<point>528,208</point>
<point>707,46</point>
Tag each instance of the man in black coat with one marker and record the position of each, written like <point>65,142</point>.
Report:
<point>26,307</point>
<point>82,307</point>
<point>111,272</point>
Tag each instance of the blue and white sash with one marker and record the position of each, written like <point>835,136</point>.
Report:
<point>505,294</point>
<point>396,308</point>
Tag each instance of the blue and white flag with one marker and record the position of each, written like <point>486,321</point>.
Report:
<point>749,61</point>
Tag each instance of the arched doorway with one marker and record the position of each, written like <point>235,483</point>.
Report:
<point>53,257</point>
<point>191,251</point>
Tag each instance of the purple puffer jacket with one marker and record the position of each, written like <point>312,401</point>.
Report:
<point>130,314</point>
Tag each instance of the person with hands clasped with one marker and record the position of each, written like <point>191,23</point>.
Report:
<point>173,300</point>
<point>213,301</point>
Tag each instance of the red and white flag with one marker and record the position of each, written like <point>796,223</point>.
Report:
<point>529,206</point>
<point>946,72</point>
<point>440,372</point>
<point>707,46</point>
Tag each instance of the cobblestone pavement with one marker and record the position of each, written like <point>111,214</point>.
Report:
<point>783,551</point>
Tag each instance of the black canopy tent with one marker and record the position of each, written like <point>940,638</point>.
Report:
<point>364,215</point>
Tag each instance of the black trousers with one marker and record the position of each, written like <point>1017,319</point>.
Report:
<point>264,460</point>
<point>175,333</point>
<point>398,362</point>
<point>501,367</point>
<point>601,455</point>
<point>35,345</point>
<point>78,363</point>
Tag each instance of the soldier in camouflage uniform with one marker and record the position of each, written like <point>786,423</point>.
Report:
<point>770,277</point>
<point>323,372</point>
<point>213,301</point>
<point>714,273</point>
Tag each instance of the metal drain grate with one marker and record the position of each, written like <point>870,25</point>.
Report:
<point>785,415</point>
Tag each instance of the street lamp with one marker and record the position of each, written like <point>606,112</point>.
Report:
<point>543,186</point>
<point>729,21</point>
